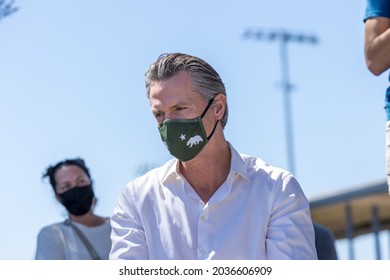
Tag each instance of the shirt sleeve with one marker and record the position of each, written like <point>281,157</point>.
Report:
<point>290,230</point>
<point>127,234</point>
<point>49,245</point>
<point>377,8</point>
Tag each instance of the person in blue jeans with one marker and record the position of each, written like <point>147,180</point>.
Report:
<point>377,53</point>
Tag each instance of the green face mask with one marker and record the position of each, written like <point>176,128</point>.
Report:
<point>185,138</point>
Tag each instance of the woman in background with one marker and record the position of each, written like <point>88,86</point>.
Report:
<point>84,235</point>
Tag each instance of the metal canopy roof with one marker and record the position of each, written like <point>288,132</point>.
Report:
<point>354,212</point>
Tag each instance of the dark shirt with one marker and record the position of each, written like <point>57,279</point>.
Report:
<point>325,243</point>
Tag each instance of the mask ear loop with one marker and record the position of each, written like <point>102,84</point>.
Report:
<point>208,106</point>
<point>212,132</point>
<point>204,113</point>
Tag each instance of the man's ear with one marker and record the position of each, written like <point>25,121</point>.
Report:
<point>219,105</point>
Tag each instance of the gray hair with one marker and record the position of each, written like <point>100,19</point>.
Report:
<point>206,80</point>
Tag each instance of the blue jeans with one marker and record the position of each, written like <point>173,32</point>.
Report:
<point>387,104</point>
<point>387,108</point>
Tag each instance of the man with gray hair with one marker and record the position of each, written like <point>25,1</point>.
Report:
<point>209,201</point>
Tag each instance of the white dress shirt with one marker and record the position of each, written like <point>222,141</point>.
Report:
<point>259,212</point>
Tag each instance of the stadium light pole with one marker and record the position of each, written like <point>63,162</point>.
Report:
<point>284,38</point>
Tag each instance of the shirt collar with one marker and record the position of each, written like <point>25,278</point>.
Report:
<point>237,166</point>
<point>169,170</point>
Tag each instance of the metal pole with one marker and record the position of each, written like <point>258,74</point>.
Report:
<point>284,37</point>
<point>287,88</point>
<point>349,230</point>
<point>375,228</point>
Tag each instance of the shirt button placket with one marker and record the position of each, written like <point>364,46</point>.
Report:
<point>203,234</point>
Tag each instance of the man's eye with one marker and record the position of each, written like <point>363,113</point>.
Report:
<point>180,108</point>
<point>158,114</point>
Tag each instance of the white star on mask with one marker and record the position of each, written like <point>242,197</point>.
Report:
<point>182,137</point>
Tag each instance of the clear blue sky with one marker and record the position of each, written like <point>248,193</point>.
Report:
<point>72,84</point>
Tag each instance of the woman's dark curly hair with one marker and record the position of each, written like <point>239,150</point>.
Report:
<point>52,169</point>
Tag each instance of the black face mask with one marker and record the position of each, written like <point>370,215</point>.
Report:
<point>78,200</point>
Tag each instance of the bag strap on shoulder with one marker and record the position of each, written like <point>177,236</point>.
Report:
<point>82,237</point>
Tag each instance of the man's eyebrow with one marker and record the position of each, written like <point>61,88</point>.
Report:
<point>180,104</point>
<point>174,106</point>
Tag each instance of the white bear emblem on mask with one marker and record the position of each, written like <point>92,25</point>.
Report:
<point>194,141</point>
